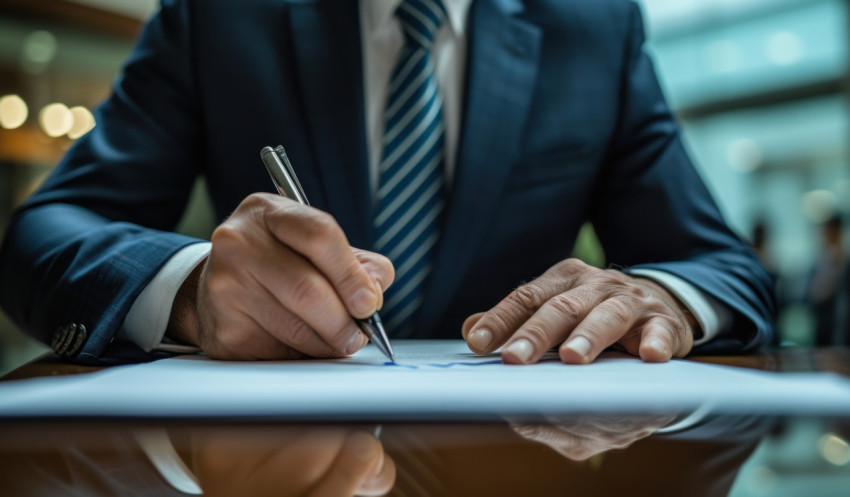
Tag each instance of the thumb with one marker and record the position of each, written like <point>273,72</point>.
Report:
<point>378,267</point>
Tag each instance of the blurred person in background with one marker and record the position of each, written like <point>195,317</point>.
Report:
<point>761,240</point>
<point>827,288</point>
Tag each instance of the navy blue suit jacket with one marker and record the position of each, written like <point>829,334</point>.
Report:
<point>563,122</point>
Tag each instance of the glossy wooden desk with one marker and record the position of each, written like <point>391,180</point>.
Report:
<point>577,456</point>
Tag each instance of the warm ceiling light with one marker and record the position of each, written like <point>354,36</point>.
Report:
<point>56,120</point>
<point>83,122</point>
<point>13,111</point>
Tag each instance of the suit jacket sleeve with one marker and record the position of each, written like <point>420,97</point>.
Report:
<point>653,211</point>
<point>82,247</point>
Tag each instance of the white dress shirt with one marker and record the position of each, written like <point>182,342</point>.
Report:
<point>382,41</point>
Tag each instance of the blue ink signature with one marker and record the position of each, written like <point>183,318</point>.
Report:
<point>445,366</point>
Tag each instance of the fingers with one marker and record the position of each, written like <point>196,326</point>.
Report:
<point>549,326</point>
<point>317,236</point>
<point>314,314</point>
<point>606,324</point>
<point>361,468</point>
<point>497,325</point>
<point>469,323</point>
<point>290,330</point>
<point>585,310</point>
<point>286,270</point>
<point>661,340</point>
<point>252,342</point>
<point>379,268</point>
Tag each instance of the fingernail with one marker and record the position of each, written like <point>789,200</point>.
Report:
<point>657,345</point>
<point>480,338</point>
<point>580,346</point>
<point>362,445</point>
<point>355,343</point>
<point>364,302</point>
<point>521,349</point>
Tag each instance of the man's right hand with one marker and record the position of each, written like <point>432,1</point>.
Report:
<point>281,281</point>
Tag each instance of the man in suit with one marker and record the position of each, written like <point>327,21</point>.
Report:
<point>467,141</point>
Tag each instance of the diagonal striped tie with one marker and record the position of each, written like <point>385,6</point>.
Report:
<point>410,191</point>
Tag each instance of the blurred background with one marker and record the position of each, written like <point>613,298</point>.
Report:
<point>760,86</point>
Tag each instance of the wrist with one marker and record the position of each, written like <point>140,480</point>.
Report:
<point>183,323</point>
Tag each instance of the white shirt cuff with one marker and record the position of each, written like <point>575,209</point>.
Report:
<point>156,444</point>
<point>147,320</point>
<point>712,316</point>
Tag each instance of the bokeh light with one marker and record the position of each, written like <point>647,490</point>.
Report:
<point>39,50</point>
<point>834,449</point>
<point>13,111</point>
<point>819,205</point>
<point>56,119</point>
<point>744,155</point>
<point>784,48</point>
<point>83,122</point>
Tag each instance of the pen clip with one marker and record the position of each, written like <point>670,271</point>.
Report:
<point>281,153</point>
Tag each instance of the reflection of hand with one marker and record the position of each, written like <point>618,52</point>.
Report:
<point>316,462</point>
<point>583,437</point>
<point>584,310</point>
<point>281,280</point>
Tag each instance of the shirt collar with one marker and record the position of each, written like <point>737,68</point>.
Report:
<point>381,12</point>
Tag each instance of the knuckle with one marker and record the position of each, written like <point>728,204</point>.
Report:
<point>386,265</point>
<point>619,312</point>
<point>256,199</point>
<point>227,236</point>
<point>502,315</point>
<point>306,292</point>
<point>574,265</point>
<point>638,292</point>
<point>614,280</point>
<point>528,297</point>
<point>505,315</point>
<point>339,335</point>
<point>572,271</point>
<point>384,261</point>
<point>567,307</point>
<point>351,275</point>
<point>258,205</point>
<point>615,275</point>
<point>298,332</point>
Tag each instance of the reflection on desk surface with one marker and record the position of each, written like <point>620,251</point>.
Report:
<point>585,455</point>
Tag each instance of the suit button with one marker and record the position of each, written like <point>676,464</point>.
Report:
<point>68,340</point>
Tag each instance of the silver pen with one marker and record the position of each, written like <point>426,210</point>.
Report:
<point>287,184</point>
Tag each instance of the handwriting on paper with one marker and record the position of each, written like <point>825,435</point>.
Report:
<point>444,365</point>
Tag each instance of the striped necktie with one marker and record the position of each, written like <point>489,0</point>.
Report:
<point>410,190</point>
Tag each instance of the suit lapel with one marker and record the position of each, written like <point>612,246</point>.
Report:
<point>501,74</point>
<point>326,38</point>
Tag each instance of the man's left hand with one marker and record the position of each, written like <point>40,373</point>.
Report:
<point>583,310</point>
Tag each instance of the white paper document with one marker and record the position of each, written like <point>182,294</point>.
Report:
<point>433,380</point>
